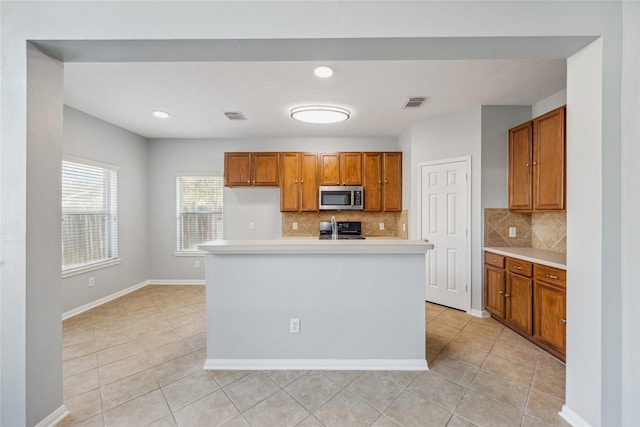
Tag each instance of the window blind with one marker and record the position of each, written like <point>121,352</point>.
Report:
<point>199,210</point>
<point>89,215</point>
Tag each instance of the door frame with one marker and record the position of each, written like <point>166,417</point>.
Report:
<point>467,160</point>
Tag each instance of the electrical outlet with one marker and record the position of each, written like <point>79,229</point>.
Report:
<point>197,263</point>
<point>92,282</point>
<point>294,326</point>
<point>252,226</point>
<point>512,232</point>
<point>381,225</point>
<point>294,225</point>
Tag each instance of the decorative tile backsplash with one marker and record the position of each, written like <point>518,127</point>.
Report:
<point>308,222</point>
<point>533,230</point>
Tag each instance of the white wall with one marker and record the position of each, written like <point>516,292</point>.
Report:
<point>629,219</point>
<point>241,205</point>
<point>23,21</point>
<point>496,122</point>
<point>87,137</point>
<point>445,137</point>
<point>552,102</point>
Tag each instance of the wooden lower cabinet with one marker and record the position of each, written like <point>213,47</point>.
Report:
<point>529,298</point>
<point>518,302</point>
<point>550,308</point>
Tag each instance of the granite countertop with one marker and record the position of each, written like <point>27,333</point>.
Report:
<point>315,245</point>
<point>539,256</point>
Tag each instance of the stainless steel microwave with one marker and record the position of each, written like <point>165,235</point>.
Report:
<point>336,198</point>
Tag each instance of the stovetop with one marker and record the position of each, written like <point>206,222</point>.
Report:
<point>347,230</point>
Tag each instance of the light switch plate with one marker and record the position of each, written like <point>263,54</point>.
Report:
<point>512,232</point>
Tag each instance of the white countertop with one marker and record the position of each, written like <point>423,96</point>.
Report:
<point>313,245</point>
<point>540,256</point>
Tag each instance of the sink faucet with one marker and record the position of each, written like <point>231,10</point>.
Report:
<point>334,228</point>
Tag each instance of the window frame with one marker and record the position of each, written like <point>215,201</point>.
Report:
<point>111,237</point>
<point>179,252</point>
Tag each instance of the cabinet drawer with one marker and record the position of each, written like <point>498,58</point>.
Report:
<point>494,259</point>
<point>551,275</point>
<point>518,266</point>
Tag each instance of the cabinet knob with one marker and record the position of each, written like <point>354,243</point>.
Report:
<point>379,182</point>
<point>248,182</point>
<point>337,183</point>
<point>535,163</point>
<point>295,182</point>
<point>301,181</point>
<point>493,259</point>
<point>386,182</point>
<point>518,267</point>
<point>564,321</point>
<point>551,276</point>
<point>507,295</point>
<point>528,164</point>
<point>501,292</point>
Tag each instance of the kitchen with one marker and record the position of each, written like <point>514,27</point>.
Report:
<point>170,207</point>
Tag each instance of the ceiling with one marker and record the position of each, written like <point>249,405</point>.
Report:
<point>122,81</point>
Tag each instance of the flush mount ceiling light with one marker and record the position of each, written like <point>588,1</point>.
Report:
<point>320,114</point>
<point>323,71</point>
<point>161,114</point>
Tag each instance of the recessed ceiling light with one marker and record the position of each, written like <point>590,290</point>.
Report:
<point>320,114</point>
<point>161,114</point>
<point>323,71</point>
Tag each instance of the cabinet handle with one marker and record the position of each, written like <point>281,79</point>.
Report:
<point>493,259</point>
<point>551,276</point>
<point>564,321</point>
<point>518,267</point>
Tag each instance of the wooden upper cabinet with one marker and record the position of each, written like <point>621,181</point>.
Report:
<point>537,177</point>
<point>265,169</point>
<point>309,182</point>
<point>237,169</point>
<point>520,166</point>
<point>392,182</point>
<point>245,169</point>
<point>372,181</point>
<point>549,160</point>
<point>340,168</point>
<point>329,168</point>
<point>351,168</point>
<point>298,182</point>
<point>289,185</point>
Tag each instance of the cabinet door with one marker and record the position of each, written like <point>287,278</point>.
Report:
<point>289,185</point>
<point>351,168</point>
<point>309,182</point>
<point>494,287</point>
<point>372,181</point>
<point>549,324</point>
<point>237,169</point>
<point>265,169</point>
<point>329,164</point>
<point>520,167</point>
<point>549,160</point>
<point>519,299</point>
<point>392,182</point>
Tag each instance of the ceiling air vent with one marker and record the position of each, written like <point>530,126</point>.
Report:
<point>235,115</point>
<point>415,102</point>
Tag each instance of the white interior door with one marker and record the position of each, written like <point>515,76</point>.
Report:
<point>444,221</point>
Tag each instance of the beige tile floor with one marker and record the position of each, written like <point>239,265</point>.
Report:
<point>138,360</point>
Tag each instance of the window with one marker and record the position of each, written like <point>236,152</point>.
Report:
<point>89,215</point>
<point>199,210</point>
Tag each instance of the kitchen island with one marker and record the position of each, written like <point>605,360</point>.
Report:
<point>357,304</point>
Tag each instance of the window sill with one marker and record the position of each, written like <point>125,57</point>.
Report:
<point>189,253</point>
<point>90,267</point>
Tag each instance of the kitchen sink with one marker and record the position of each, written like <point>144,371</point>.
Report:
<point>342,237</point>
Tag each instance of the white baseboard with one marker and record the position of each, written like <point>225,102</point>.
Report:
<point>479,313</point>
<point>55,417</point>
<point>318,364</point>
<point>94,304</point>
<point>572,418</point>
<point>175,282</point>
